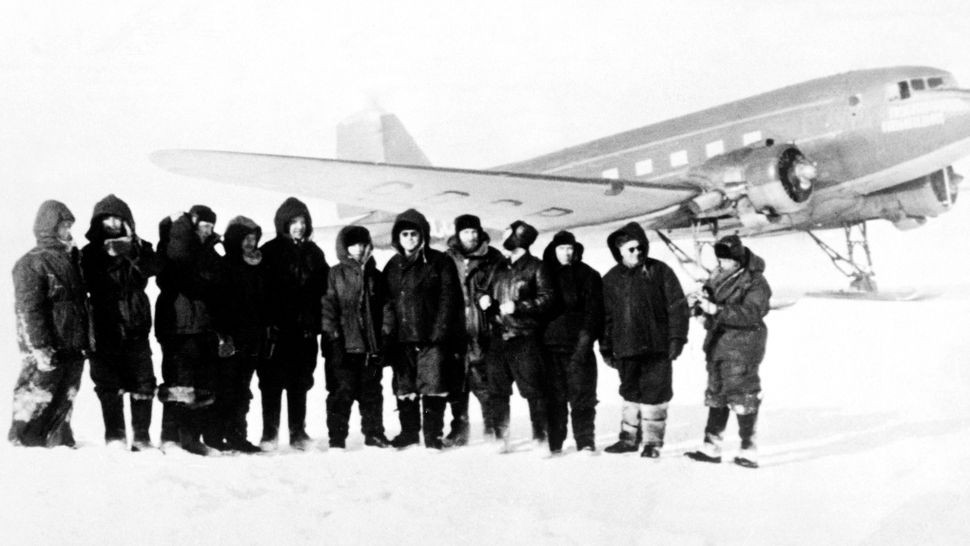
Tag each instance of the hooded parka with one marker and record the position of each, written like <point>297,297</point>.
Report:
<point>52,333</point>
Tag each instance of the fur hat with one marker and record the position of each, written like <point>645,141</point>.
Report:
<point>730,247</point>
<point>522,236</point>
<point>203,213</point>
<point>356,235</point>
<point>468,221</point>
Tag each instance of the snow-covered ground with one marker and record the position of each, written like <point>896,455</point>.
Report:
<point>865,425</point>
<point>863,436</point>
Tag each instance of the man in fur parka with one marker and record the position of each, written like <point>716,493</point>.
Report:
<point>297,271</point>
<point>732,306</point>
<point>353,316</point>
<point>117,265</point>
<point>645,329</point>
<point>52,332</point>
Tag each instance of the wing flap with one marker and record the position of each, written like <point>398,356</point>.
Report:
<point>547,202</point>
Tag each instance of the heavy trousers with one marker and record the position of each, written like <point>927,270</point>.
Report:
<point>354,377</point>
<point>571,382</point>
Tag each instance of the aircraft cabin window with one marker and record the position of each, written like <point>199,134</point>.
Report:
<point>644,167</point>
<point>935,82</point>
<point>917,84</point>
<point>612,174</point>
<point>750,138</point>
<point>904,90</point>
<point>678,158</point>
<point>715,148</point>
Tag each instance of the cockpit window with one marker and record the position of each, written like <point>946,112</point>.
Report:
<point>917,84</point>
<point>904,90</point>
<point>935,82</point>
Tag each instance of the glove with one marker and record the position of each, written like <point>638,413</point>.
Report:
<point>44,359</point>
<point>676,347</point>
<point>485,302</point>
<point>707,306</point>
<point>226,347</point>
<point>118,247</point>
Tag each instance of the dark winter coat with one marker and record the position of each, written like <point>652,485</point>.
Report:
<point>190,279</point>
<point>424,295</point>
<point>296,274</point>
<point>241,313</point>
<point>353,305</point>
<point>576,318</point>
<point>527,283</point>
<point>120,308</point>
<point>645,307</point>
<point>737,331</point>
<point>475,270</point>
<point>50,297</point>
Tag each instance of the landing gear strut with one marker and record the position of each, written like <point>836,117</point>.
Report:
<point>860,273</point>
<point>692,266</point>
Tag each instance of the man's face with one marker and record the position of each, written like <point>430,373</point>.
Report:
<point>410,239</point>
<point>357,251</point>
<point>297,227</point>
<point>64,230</point>
<point>112,225</point>
<point>468,238</point>
<point>728,265</point>
<point>564,253</point>
<point>631,252</point>
<point>249,243</point>
<point>204,230</point>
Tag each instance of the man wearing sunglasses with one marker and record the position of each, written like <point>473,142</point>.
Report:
<point>645,328</point>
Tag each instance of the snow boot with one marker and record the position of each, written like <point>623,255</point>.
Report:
<point>458,436</point>
<point>296,419</point>
<point>747,424</point>
<point>434,421</point>
<point>410,417</point>
<point>653,423</point>
<point>650,452</point>
<point>539,415</point>
<point>272,404</point>
<point>626,444</point>
<point>190,432</point>
<point>377,440</point>
<point>141,420</point>
<point>113,411</point>
<point>710,452</point>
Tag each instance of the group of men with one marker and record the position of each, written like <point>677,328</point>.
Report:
<point>472,319</point>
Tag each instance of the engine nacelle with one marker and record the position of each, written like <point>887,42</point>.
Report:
<point>776,179</point>
<point>908,205</point>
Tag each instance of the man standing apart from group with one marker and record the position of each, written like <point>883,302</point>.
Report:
<point>425,305</point>
<point>645,328</point>
<point>297,272</point>
<point>117,265</point>
<point>475,260</point>
<point>521,295</point>
<point>353,315</point>
<point>732,307</point>
<point>52,332</point>
<point>575,323</point>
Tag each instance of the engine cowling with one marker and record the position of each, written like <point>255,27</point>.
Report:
<point>776,179</point>
<point>909,205</point>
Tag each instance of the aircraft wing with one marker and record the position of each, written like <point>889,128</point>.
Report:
<point>499,198</point>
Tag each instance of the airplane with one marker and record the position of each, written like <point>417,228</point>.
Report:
<point>829,153</point>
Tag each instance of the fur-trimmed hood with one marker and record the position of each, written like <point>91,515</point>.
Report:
<point>290,209</point>
<point>111,205</point>
<point>632,230</point>
<point>50,214</point>
<point>410,218</point>
<point>236,231</point>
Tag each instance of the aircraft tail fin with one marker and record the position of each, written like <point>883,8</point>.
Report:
<point>378,136</point>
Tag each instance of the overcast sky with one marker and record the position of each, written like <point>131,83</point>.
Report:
<point>89,89</point>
